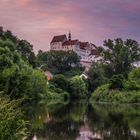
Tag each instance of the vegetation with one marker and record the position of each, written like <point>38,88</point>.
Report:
<point>121,55</point>
<point>77,87</point>
<point>19,80</point>
<point>115,79</point>
<point>96,76</point>
<point>23,81</point>
<point>12,123</point>
<point>60,62</point>
<point>23,47</point>
<point>119,90</point>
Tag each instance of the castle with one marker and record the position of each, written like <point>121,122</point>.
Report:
<point>87,51</point>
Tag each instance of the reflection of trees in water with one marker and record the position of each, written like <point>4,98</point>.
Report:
<point>65,130</point>
<point>111,122</point>
<point>72,111</point>
<point>66,121</point>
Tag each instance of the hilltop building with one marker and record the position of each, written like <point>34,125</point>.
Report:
<point>87,51</point>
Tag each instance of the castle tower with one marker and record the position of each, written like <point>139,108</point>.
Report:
<point>69,37</point>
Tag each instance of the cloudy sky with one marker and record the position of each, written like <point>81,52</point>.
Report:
<point>88,20</point>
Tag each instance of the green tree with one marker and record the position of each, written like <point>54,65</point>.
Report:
<point>134,75</point>
<point>121,55</point>
<point>18,79</point>
<point>133,82</point>
<point>26,51</point>
<point>60,81</point>
<point>59,62</point>
<point>22,46</point>
<point>77,87</point>
<point>117,82</point>
<point>96,76</point>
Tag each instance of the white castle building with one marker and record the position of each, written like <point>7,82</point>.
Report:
<point>87,51</point>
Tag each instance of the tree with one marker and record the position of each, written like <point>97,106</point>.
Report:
<point>133,82</point>
<point>60,81</point>
<point>26,51</point>
<point>77,87</point>
<point>59,62</point>
<point>15,44</point>
<point>117,82</point>
<point>121,55</point>
<point>134,75</point>
<point>18,79</point>
<point>96,76</point>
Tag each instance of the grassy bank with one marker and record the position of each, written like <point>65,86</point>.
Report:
<point>105,94</point>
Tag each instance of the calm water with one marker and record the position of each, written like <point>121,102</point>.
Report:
<point>84,121</point>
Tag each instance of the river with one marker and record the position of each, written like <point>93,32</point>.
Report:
<point>85,121</point>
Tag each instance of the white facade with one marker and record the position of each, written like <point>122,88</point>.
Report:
<point>85,50</point>
<point>56,46</point>
<point>57,41</point>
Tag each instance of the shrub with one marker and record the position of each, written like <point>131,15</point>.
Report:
<point>134,75</point>
<point>96,76</point>
<point>100,92</point>
<point>77,87</point>
<point>60,81</point>
<point>12,124</point>
<point>131,85</point>
<point>104,94</point>
<point>116,82</point>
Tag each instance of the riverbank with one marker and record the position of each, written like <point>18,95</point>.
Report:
<point>104,94</point>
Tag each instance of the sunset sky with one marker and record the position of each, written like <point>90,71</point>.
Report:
<point>88,20</point>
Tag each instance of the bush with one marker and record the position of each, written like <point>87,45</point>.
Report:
<point>12,124</point>
<point>77,87</point>
<point>104,94</point>
<point>116,82</point>
<point>100,92</point>
<point>60,81</point>
<point>134,75</point>
<point>96,76</point>
<point>131,85</point>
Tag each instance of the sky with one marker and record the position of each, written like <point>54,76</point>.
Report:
<point>37,21</point>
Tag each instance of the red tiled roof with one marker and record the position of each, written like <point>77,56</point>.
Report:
<point>94,45</point>
<point>83,45</point>
<point>59,38</point>
<point>94,52</point>
<point>70,42</point>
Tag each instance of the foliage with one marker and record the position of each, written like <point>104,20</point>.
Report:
<point>57,93</point>
<point>133,82</point>
<point>134,75</point>
<point>104,94</point>
<point>26,51</point>
<point>121,55</point>
<point>77,87</point>
<point>12,124</point>
<point>131,85</point>
<point>117,82</point>
<point>60,81</point>
<point>119,90</point>
<point>18,79</point>
<point>59,62</point>
<point>96,76</point>
<point>7,39</point>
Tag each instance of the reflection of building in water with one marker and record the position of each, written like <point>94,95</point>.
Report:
<point>34,138</point>
<point>86,134</point>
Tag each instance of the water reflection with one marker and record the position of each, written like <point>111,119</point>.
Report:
<point>84,121</point>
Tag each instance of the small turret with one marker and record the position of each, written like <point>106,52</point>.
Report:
<point>69,37</point>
